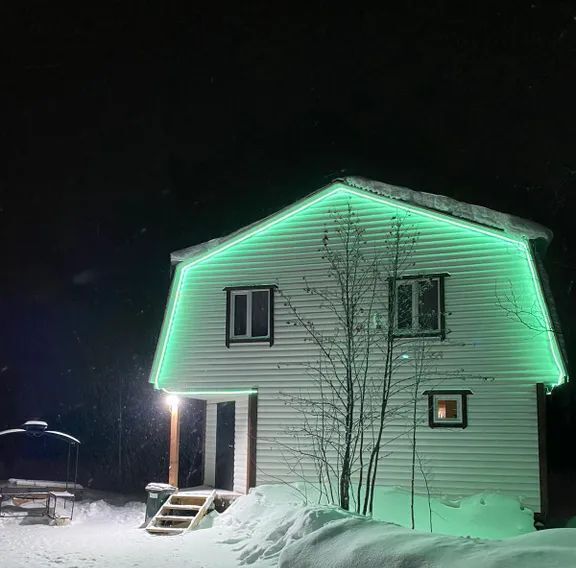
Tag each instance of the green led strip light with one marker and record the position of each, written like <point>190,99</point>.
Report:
<point>186,265</point>
<point>183,268</point>
<point>522,246</point>
<point>227,392</point>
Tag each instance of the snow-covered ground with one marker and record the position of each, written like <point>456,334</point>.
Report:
<point>274,527</point>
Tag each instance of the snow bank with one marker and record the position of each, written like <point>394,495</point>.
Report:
<point>485,515</point>
<point>270,519</point>
<point>372,544</point>
<point>274,527</point>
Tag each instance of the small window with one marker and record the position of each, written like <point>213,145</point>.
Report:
<point>448,409</point>
<point>249,314</point>
<point>419,309</point>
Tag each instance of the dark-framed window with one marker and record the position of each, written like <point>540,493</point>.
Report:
<point>249,314</point>
<point>448,408</point>
<point>419,305</point>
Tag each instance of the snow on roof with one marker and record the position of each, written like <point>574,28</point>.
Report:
<point>475,213</point>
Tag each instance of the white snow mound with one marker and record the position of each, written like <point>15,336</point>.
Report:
<point>484,515</point>
<point>371,544</point>
<point>274,527</point>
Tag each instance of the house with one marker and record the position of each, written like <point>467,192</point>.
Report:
<point>225,340</point>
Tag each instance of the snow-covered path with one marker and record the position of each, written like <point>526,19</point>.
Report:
<point>102,547</point>
<point>105,536</point>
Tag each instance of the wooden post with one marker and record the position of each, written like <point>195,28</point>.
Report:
<point>174,444</point>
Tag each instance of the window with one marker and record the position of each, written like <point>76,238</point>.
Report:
<point>419,309</point>
<point>448,409</point>
<point>249,314</point>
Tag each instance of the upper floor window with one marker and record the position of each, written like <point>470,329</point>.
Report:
<point>249,314</point>
<point>419,306</point>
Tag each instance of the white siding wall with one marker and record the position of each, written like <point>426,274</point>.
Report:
<point>240,442</point>
<point>241,445</point>
<point>210,444</point>
<point>499,449</point>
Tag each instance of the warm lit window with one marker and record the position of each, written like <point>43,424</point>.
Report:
<point>249,314</point>
<point>448,408</point>
<point>419,306</point>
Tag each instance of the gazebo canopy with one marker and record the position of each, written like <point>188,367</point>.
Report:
<point>37,428</point>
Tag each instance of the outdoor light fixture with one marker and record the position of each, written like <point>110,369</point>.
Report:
<point>172,402</point>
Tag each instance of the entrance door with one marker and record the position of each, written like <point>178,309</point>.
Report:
<point>225,418</point>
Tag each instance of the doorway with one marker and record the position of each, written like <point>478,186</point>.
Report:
<point>225,432</point>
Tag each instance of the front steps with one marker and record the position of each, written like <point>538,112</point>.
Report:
<point>180,513</point>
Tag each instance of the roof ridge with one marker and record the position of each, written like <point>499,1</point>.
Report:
<point>448,206</point>
<point>478,214</point>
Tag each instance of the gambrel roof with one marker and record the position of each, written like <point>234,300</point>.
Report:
<point>520,233</point>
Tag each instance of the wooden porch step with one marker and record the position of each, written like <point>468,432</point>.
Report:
<point>175,518</point>
<point>164,530</point>
<point>165,523</point>
<point>182,507</point>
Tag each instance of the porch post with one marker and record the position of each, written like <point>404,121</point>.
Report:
<point>174,443</point>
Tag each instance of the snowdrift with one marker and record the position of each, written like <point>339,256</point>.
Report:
<point>273,526</point>
<point>370,544</point>
<point>484,515</point>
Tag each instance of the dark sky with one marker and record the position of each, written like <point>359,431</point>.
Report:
<point>128,130</point>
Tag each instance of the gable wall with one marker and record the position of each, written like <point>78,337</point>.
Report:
<point>497,450</point>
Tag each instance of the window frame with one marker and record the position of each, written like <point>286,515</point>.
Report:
<point>461,396</point>
<point>231,292</point>
<point>441,331</point>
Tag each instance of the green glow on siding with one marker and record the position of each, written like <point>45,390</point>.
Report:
<point>522,245</point>
<point>562,372</point>
<point>332,190</point>
<point>186,265</point>
<point>228,392</point>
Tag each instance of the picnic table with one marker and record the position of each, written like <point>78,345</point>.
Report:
<point>18,501</point>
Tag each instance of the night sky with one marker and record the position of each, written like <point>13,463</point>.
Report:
<point>128,132</point>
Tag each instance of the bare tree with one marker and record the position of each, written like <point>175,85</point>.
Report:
<point>343,419</point>
<point>529,314</point>
<point>397,253</point>
<point>368,324</point>
<point>333,420</point>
